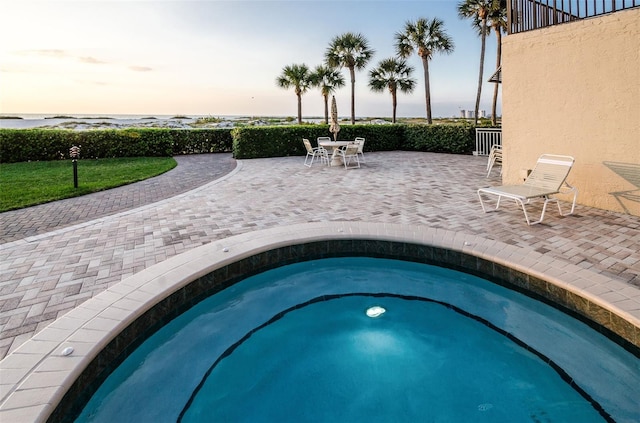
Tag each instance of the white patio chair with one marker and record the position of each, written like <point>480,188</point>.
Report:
<point>313,152</point>
<point>321,139</point>
<point>548,177</point>
<point>360,142</point>
<point>347,154</point>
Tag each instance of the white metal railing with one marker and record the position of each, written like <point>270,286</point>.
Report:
<point>526,15</point>
<point>487,138</point>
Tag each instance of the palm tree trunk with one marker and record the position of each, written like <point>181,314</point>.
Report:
<point>427,88</point>
<point>352,71</point>
<point>497,85</point>
<point>299,109</point>
<point>326,108</point>
<point>483,37</point>
<point>394,102</point>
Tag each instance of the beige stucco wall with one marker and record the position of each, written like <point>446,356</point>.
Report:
<point>575,89</point>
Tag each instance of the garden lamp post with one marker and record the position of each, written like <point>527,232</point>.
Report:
<point>74,153</point>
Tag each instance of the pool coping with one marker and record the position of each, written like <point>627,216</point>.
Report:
<point>37,375</point>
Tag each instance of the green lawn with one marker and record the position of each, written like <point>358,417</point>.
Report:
<point>28,184</point>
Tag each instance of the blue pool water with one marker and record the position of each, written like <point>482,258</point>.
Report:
<point>295,344</point>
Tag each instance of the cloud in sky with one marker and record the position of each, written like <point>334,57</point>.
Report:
<point>65,54</point>
<point>43,52</point>
<point>59,54</point>
<point>96,83</point>
<point>140,68</point>
<point>91,60</point>
<point>217,57</point>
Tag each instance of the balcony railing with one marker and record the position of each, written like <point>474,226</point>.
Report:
<point>526,15</point>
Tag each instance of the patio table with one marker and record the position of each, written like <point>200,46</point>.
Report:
<point>332,146</point>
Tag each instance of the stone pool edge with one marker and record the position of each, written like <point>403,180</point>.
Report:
<point>35,377</point>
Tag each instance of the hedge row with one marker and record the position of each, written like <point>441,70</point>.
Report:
<point>17,145</point>
<point>20,145</point>
<point>278,141</point>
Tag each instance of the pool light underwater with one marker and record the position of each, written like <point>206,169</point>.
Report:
<point>375,311</point>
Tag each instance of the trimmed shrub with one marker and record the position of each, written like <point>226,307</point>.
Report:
<point>377,137</point>
<point>278,141</point>
<point>196,141</point>
<point>133,142</point>
<point>455,139</point>
<point>252,142</point>
<point>21,145</point>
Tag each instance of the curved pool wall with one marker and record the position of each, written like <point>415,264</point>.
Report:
<point>41,382</point>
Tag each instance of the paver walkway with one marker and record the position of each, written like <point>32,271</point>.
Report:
<point>44,276</point>
<point>192,171</point>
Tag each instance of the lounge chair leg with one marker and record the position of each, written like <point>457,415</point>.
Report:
<point>484,209</point>
<point>573,190</point>
<point>544,208</point>
<point>575,197</point>
<point>547,200</point>
<point>490,166</point>
<point>559,209</point>
<point>526,215</point>
<point>481,202</point>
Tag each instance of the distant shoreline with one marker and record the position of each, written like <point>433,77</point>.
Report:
<point>28,116</point>
<point>89,121</point>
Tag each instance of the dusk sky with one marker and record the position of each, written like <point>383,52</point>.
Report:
<point>211,58</point>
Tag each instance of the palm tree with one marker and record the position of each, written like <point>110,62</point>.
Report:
<point>351,51</point>
<point>426,37</point>
<point>498,22</point>
<point>478,11</point>
<point>328,80</point>
<point>298,77</point>
<point>392,74</point>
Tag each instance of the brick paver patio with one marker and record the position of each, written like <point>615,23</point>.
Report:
<point>49,268</point>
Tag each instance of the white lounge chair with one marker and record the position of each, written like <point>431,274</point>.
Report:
<point>313,152</point>
<point>360,142</point>
<point>349,154</point>
<point>548,177</point>
<point>495,158</point>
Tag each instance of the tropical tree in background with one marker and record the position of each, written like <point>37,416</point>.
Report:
<point>298,77</point>
<point>478,11</point>
<point>426,37</point>
<point>392,74</point>
<point>350,51</point>
<point>328,80</point>
<point>498,22</point>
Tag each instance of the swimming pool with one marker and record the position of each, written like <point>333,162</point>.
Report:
<point>213,356</point>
